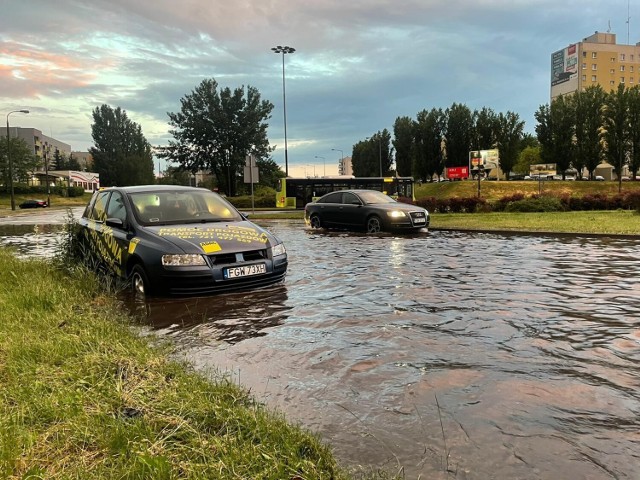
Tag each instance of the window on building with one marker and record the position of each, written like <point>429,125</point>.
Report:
<point>584,66</point>
<point>621,79</point>
<point>612,83</point>
<point>622,68</point>
<point>631,57</point>
<point>584,78</point>
<point>584,53</point>
<point>631,69</point>
<point>613,59</point>
<point>593,78</point>
<point>630,79</point>
<point>612,71</point>
<point>594,54</point>
<point>622,57</point>
<point>594,66</point>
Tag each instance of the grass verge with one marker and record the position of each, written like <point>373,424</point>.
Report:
<point>611,222</point>
<point>83,396</point>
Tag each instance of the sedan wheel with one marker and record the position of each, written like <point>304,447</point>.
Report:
<point>139,281</point>
<point>374,225</point>
<point>315,221</point>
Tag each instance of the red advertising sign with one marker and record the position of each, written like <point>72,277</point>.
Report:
<point>458,172</point>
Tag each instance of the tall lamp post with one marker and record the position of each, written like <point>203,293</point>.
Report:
<point>284,50</point>
<point>13,200</point>
<point>341,156</point>
<point>324,166</point>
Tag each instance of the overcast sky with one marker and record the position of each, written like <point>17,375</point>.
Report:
<point>358,65</point>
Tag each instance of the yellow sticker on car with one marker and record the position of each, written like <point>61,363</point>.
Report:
<point>133,244</point>
<point>211,247</point>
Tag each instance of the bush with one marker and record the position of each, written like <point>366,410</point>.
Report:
<point>532,204</point>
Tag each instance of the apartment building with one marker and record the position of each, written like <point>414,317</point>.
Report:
<point>40,144</point>
<point>344,166</point>
<point>596,60</point>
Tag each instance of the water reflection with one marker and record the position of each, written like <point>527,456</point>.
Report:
<point>29,241</point>
<point>227,318</point>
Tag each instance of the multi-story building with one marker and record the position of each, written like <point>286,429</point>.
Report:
<point>41,145</point>
<point>596,60</point>
<point>45,148</point>
<point>344,166</point>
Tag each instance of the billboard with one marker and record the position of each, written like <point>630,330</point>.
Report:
<point>457,172</point>
<point>564,65</point>
<point>488,159</point>
<point>543,169</point>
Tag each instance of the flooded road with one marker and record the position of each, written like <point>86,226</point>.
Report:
<point>447,355</point>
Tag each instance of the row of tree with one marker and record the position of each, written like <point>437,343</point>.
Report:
<point>439,138</point>
<point>581,130</point>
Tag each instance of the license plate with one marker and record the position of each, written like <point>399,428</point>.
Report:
<point>419,220</point>
<point>245,271</point>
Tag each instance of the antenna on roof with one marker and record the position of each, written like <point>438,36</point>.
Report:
<point>628,22</point>
<point>609,29</point>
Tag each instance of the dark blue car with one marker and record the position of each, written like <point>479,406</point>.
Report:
<point>178,241</point>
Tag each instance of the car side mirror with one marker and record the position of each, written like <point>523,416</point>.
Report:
<point>114,223</point>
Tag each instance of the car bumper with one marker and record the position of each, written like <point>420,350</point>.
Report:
<point>203,281</point>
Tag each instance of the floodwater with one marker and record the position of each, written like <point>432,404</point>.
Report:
<point>440,355</point>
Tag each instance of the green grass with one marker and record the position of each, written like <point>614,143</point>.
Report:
<point>591,222</point>
<point>495,190</point>
<point>56,200</point>
<point>83,396</point>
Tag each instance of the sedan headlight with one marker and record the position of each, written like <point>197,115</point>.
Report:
<point>278,249</point>
<point>183,260</point>
<point>396,214</point>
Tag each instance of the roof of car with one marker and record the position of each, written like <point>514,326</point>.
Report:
<point>153,188</point>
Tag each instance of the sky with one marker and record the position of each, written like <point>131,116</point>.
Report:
<point>358,64</point>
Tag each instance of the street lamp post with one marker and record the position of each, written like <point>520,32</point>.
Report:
<point>324,166</point>
<point>341,156</point>
<point>284,50</point>
<point>9,161</point>
<point>480,175</point>
<point>45,153</point>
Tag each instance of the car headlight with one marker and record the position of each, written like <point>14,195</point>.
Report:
<point>278,249</point>
<point>183,260</point>
<point>396,214</point>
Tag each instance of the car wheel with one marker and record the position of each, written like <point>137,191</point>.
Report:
<point>139,282</point>
<point>374,225</point>
<point>315,221</point>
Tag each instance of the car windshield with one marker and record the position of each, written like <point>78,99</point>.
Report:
<point>180,206</point>
<point>373,197</point>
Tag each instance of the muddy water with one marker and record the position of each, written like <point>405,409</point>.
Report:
<point>486,356</point>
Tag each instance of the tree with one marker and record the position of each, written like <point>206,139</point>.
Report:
<point>269,172</point>
<point>175,176</point>
<point>403,129</point>
<point>429,133</point>
<point>509,129</point>
<point>616,130</point>
<point>484,129</point>
<point>587,107</point>
<point>122,155</point>
<point>22,160</point>
<point>459,132</point>
<point>372,156</point>
<point>634,130</point>
<point>216,130</point>
<point>555,131</point>
<point>527,157</point>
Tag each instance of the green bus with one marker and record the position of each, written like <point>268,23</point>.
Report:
<point>297,192</point>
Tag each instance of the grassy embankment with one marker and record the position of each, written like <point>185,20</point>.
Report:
<point>83,396</point>
<point>588,222</point>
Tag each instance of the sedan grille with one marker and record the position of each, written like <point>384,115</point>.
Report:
<point>231,258</point>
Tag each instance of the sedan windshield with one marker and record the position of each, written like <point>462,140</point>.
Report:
<point>182,207</point>
<point>373,197</point>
